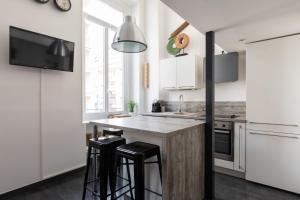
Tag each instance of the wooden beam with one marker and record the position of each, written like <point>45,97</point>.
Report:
<point>210,109</point>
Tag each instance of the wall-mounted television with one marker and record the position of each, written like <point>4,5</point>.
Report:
<point>32,49</point>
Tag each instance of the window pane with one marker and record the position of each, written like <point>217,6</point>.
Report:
<point>103,11</point>
<point>115,77</point>
<point>94,67</point>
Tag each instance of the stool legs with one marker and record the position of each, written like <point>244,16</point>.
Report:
<point>103,173</point>
<point>129,179</point>
<point>159,165</point>
<point>86,172</point>
<point>139,177</point>
<point>113,176</point>
<point>96,159</point>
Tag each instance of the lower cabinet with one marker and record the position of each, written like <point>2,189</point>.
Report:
<point>239,147</point>
<point>273,158</point>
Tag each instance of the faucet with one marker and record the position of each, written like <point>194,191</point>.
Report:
<point>180,103</point>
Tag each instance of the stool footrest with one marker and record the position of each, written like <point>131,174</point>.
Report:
<point>122,194</point>
<point>92,181</point>
<point>97,194</point>
<point>121,188</point>
<point>148,162</point>
<point>93,192</point>
<point>153,192</point>
<point>120,177</point>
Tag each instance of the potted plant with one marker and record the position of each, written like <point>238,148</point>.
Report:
<point>131,106</point>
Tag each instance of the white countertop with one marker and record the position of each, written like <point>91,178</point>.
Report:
<point>158,125</point>
<point>199,116</point>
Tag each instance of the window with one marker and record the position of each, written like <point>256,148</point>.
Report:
<point>104,67</point>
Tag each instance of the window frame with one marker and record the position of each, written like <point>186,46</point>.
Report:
<point>106,113</point>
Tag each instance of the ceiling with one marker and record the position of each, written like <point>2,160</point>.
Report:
<point>237,22</point>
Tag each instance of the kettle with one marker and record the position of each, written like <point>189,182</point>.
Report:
<point>156,107</point>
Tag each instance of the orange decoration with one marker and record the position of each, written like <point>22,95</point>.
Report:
<point>182,41</point>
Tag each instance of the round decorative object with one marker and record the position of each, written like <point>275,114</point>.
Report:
<point>63,5</point>
<point>182,41</point>
<point>171,47</point>
<point>42,1</point>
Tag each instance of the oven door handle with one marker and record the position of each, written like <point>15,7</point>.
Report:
<point>222,131</point>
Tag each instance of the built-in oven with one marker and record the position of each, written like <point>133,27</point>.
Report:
<point>224,140</point>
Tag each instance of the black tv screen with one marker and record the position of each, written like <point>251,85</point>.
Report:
<point>32,49</point>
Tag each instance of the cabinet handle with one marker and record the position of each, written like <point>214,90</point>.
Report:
<point>222,131</point>
<point>187,87</point>
<point>273,135</point>
<point>240,135</point>
<point>170,87</point>
<point>265,123</point>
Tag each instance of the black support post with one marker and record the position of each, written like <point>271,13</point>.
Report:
<point>210,105</point>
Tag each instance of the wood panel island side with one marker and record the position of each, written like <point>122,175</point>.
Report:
<point>182,151</point>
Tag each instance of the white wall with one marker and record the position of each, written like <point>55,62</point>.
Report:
<point>152,21</point>
<point>135,68</point>
<point>169,22</point>
<point>235,91</point>
<point>40,130</point>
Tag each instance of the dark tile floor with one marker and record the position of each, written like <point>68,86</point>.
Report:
<point>227,188</point>
<point>230,188</point>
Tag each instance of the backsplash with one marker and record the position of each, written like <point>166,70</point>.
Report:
<point>220,107</point>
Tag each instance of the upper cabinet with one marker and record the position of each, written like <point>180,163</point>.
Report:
<point>185,72</point>
<point>168,73</point>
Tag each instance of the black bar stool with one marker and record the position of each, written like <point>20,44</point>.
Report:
<point>138,152</point>
<point>104,148</point>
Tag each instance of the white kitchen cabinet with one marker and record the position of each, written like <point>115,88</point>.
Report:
<point>272,76</point>
<point>184,72</point>
<point>272,159</point>
<point>240,147</point>
<point>189,72</point>
<point>168,73</point>
<point>273,113</point>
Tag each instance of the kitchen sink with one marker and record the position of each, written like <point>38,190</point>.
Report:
<point>182,113</point>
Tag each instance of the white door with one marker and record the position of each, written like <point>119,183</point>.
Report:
<point>19,128</point>
<point>62,132</point>
<point>273,80</point>
<point>186,72</point>
<point>168,73</point>
<point>272,159</point>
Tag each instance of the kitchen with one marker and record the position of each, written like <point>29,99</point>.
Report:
<point>146,116</point>
<point>181,95</point>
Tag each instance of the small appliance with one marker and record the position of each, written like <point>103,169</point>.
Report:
<point>156,107</point>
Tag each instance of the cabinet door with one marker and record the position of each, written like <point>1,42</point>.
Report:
<point>20,125</point>
<point>273,81</point>
<point>272,158</point>
<point>186,72</point>
<point>168,73</point>
<point>240,147</point>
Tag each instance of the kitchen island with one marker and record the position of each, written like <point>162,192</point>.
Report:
<point>182,150</point>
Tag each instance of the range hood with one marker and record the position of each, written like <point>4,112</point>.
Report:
<point>226,67</point>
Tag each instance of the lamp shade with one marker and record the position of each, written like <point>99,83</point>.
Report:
<point>58,48</point>
<point>129,38</point>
